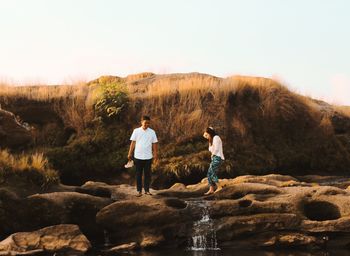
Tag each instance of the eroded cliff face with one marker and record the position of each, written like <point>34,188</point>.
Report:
<point>42,119</point>
<point>13,134</point>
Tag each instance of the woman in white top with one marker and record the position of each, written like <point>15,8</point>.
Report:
<point>217,156</point>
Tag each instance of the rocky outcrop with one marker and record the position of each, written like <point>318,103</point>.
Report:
<point>64,208</point>
<point>276,210</point>
<point>12,133</point>
<point>60,238</point>
<point>256,211</point>
<point>42,210</point>
<point>248,211</point>
<point>124,248</point>
<point>9,213</point>
<point>148,221</point>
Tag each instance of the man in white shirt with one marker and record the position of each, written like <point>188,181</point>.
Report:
<point>144,145</point>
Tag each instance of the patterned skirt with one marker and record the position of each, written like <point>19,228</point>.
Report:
<point>214,166</point>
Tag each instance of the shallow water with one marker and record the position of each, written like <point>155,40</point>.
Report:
<point>203,236</point>
<point>229,252</point>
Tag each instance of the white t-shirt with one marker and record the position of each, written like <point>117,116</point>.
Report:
<point>216,147</point>
<point>144,140</point>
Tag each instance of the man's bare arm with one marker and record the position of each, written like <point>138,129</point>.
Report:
<point>131,149</point>
<point>155,151</point>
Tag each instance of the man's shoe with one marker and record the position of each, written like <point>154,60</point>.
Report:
<point>129,164</point>
<point>148,193</point>
<point>139,194</point>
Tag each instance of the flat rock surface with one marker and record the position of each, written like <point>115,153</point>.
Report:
<point>256,211</point>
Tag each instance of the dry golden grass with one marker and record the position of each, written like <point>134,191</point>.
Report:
<point>274,97</point>
<point>189,103</point>
<point>42,92</point>
<point>183,165</point>
<point>180,105</point>
<point>23,162</point>
<point>20,164</point>
<point>239,126</point>
<point>326,125</point>
<point>344,110</point>
<point>134,77</point>
<point>74,103</point>
<point>275,100</point>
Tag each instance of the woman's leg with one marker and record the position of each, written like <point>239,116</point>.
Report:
<point>212,177</point>
<point>214,166</point>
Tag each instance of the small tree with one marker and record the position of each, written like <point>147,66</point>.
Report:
<point>112,100</point>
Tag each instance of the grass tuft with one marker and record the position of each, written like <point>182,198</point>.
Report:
<point>34,168</point>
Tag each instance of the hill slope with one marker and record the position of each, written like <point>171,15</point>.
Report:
<point>265,127</point>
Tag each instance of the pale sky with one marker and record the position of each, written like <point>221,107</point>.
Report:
<point>304,43</point>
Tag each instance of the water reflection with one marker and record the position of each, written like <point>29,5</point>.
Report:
<point>238,252</point>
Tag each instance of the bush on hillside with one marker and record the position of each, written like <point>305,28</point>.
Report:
<point>98,154</point>
<point>112,100</point>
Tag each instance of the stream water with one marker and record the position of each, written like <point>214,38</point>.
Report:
<point>203,237</point>
<point>224,252</point>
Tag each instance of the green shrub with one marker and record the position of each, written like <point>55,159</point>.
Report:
<point>112,100</point>
<point>99,154</point>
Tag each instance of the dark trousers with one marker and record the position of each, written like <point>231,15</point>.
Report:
<point>143,167</point>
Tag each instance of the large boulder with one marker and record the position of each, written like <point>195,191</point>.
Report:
<point>148,221</point>
<point>48,209</point>
<point>116,192</point>
<point>14,204</point>
<point>60,238</point>
<point>9,216</point>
